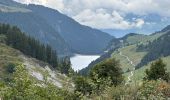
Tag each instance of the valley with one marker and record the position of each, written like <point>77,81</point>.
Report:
<point>51,50</point>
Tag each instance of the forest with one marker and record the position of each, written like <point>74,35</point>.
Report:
<point>156,49</point>
<point>33,48</point>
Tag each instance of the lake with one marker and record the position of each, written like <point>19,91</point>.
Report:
<point>81,61</point>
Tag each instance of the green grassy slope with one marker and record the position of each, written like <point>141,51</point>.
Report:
<point>140,38</point>
<point>137,56</point>
<point>7,55</point>
<point>140,73</point>
<point>129,51</point>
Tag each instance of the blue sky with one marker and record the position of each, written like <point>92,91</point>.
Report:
<point>111,14</point>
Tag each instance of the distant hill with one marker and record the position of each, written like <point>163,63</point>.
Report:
<point>141,49</point>
<point>166,29</point>
<point>54,28</point>
<point>157,49</point>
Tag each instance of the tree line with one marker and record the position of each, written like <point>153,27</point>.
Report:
<point>32,47</point>
<point>156,49</point>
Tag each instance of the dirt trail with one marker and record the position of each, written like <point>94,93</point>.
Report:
<point>131,62</point>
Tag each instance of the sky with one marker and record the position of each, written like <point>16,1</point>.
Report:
<point>109,14</point>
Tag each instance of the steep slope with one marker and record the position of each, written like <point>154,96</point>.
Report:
<point>37,28</point>
<point>82,39</point>
<point>49,26</point>
<point>37,69</point>
<point>34,25</point>
<point>157,49</point>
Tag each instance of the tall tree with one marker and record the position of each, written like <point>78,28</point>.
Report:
<point>108,69</point>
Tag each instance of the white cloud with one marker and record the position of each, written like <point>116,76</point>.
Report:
<point>102,20</point>
<point>139,23</point>
<point>107,14</point>
<point>55,4</point>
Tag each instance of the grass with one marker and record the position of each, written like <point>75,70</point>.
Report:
<point>129,51</point>
<point>135,56</point>
<point>137,38</point>
<point>140,73</point>
<point>144,39</point>
<point>7,55</point>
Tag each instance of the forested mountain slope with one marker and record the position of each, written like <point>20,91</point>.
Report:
<point>157,49</point>
<point>32,25</point>
<point>51,27</point>
<point>39,60</point>
<point>82,39</point>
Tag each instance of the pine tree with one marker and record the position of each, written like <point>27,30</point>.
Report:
<point>28,45</point>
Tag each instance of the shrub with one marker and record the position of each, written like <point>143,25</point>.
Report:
<point>23,87</point>
<point>154,90</point>
<point>157,71</point>
<point>108,69</point>
<point>82,85</point>
<point>10,68</point>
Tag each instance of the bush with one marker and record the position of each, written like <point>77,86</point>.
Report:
<point>83,86</point>
<point>157,71</point>
<point>107,70</point>
<point>154,90</point>
<point>24,87</point>
<point>10,68</point>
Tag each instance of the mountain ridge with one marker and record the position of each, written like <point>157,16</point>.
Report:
<point>78,36</point>
<point>138,47</point>
<point>46,25</point>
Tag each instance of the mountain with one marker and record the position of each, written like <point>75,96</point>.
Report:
<point>82,39</point>
<point>140,49</point>
<point>152,24</point>
<point>157,49</point>
<point>166,29</point>
<point>51,27</point>
<point>33,25</point>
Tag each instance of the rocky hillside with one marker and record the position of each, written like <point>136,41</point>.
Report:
<point>37,69</point>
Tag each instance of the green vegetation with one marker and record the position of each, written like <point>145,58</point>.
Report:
<point>32,47</point>
<point>23,87</point>
<point>103,75</point>
<point>102,89</point>
<point>157,71</point>
<point>108,69</point>
<point>104,82</point>
<point>156,49</point>
<point>129,51</point>
<point>139,48</point>
<point>151,90</point>
<point>10,68</point>
<point>83,85</point>
<point>8,56</point>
